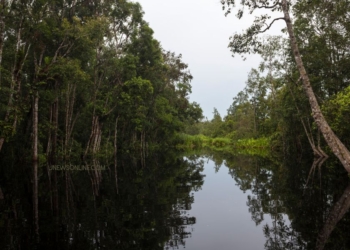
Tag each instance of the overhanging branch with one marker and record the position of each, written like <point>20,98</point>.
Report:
<point>269,26</point>
<point>266,6</point>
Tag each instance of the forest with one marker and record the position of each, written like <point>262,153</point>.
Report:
<point>85,83</point>
<point>273,105</point>
<point>82,83</point>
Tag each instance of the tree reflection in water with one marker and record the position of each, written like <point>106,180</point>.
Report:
<point>304,213</point>
<point>148,212</point>
<point>340,208</point>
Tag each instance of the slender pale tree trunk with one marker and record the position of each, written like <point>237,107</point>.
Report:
<point>93,145</point>
<point>2,32</point>
<point>332,140</point>
<point>92,148</point>
<point>52,156</point>
<point>35,158</point>
<point>16,71</point>
<point>115,153</point>
<point>35,164</point>
<point>69,121</point>
<point>54,160</point>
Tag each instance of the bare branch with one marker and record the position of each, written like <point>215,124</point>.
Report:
<point>266,6</point>
<point>269,26</point>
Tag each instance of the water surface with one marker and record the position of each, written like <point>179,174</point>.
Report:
<point>206,201</point>
<point>222,217</point>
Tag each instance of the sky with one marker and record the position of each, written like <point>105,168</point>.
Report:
<point>199,30</point>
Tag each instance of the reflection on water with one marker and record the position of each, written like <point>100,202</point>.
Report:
<point>294,214</point>
<point>208,200</point>
<point>340,208</point>
<point>223,220</point>
<point>148,212</point>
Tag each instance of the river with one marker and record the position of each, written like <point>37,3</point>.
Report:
<point>223,220</point>
<point>205,200</point>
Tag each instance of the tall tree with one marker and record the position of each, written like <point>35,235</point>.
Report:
<point>250,42</point>
<point>82,82</point>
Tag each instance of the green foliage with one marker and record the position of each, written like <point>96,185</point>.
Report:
<point>201,141</point>
<point>107,91</point>
<point>273,103</point>
<point>262,142</point>
<point>337,110</point>
<point>98,71</point>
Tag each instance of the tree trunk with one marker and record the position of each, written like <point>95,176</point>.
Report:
<point>2,34</point>
<point>54,156</point>
<point>35,164</point>
<point>92,148</point>
<point>69,121</point>
<point>16,70</point>
<point>332,140</point>
<point>115,153</point>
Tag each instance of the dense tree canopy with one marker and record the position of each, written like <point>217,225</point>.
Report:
<point>313,59</point>
<point>84,82</point>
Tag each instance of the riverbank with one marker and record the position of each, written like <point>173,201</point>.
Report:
<point>202,141</point>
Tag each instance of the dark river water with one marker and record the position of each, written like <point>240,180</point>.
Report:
<point>200,201</point>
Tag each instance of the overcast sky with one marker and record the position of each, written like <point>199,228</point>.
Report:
<point>199,30</point>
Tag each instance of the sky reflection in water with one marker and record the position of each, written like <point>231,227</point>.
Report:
<point>223,219</point>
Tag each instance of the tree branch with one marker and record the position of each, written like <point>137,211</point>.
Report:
<point>269,26</point>
<point>266,6</point>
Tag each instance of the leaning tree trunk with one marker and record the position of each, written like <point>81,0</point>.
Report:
<point>332,140</point>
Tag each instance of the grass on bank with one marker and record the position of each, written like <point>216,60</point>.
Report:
<point>202,141</point>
